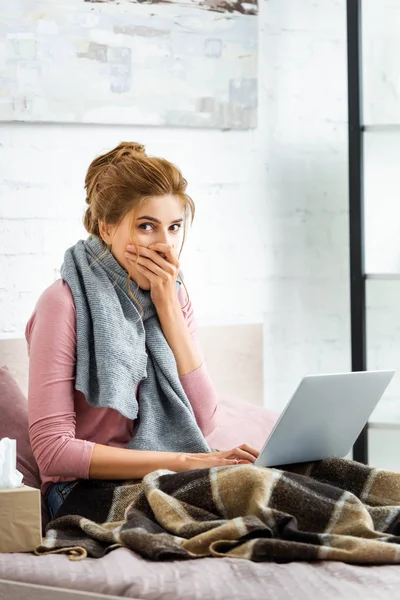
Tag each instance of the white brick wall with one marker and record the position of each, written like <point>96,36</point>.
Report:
<point>307,309</point>
<point>269,242</point>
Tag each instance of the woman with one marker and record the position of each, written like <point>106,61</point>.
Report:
<point>117,386</point>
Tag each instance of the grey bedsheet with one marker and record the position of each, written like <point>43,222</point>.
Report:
<point>123,573</point>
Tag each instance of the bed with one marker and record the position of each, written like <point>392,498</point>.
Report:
<point>123,573</point>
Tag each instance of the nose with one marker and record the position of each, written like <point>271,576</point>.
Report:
<point>164,236</point>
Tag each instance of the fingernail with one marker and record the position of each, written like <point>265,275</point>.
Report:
<point>130,247</point>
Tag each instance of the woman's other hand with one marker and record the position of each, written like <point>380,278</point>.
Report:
<point>241,455</point>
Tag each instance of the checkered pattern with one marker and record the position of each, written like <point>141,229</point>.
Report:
<point>329,510</point>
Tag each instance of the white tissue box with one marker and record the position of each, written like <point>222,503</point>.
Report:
<point>20,519</point>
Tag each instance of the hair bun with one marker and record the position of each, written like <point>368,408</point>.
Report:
<point>127,149</point>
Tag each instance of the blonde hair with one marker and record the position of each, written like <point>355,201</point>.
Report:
<point>118,182</point>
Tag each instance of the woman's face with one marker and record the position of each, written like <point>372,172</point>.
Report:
<point>159,219</point>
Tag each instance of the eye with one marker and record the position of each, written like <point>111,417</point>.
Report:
<point>144,225</point>
<point>177,225</point>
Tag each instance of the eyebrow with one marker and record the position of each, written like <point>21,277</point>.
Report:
<point>157,221</point>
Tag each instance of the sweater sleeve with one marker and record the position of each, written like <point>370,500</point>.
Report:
<point>51,337</point>
<point>197,385</point>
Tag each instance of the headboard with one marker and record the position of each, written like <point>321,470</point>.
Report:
<point>233,355</point>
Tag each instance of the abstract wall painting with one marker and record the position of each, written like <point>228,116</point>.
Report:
<point>148,62</point>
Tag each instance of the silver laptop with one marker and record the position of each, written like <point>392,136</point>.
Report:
<point>324,417</point>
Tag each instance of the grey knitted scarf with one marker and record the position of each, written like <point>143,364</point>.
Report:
<point>117,349</point>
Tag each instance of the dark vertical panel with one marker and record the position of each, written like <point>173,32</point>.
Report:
<point>356,216</point>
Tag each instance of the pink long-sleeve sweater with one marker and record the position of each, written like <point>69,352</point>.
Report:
<point>63,427</point>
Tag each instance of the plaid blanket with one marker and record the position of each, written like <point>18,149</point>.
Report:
<point>329,510</point>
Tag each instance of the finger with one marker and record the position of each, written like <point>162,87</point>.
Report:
<point>229,455</point>
<point>246,456</point>
<point>135,257</point>
<point>246,448</point>
<point>161,247</point>
<point>152,255</point>
<point>217,461</point>
<point>146,250</point>
<point>250,449</point>
<point>242,454</point>
<point>147,273</point>
<point>228,462</point>
<point>131,256</point>
<point>168,250</point>
<point>166,270</point>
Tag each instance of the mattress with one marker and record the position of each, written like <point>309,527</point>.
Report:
<point>126,574</point>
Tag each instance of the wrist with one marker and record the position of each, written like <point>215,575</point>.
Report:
<point>180,462</point>
<point>169,308</point>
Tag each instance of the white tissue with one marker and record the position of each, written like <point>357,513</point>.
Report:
<point>9,476</point>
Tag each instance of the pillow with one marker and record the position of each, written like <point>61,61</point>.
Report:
<point>239,423</point>
<point>14,424</point>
